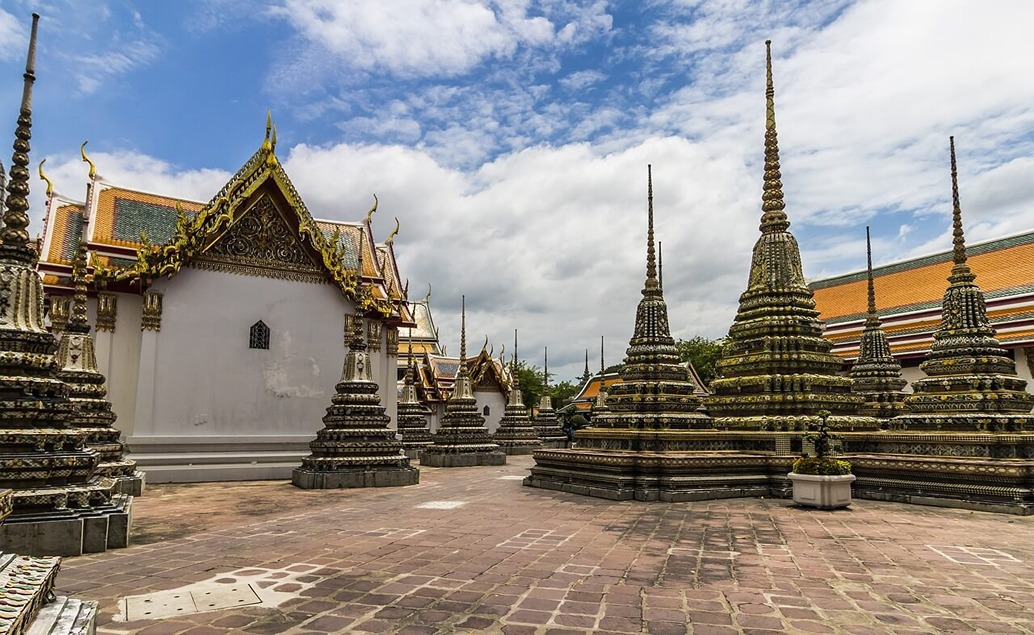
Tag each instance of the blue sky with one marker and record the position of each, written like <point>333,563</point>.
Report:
<point>511,137</point>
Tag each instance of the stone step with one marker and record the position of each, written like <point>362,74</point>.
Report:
<point>65,616</point>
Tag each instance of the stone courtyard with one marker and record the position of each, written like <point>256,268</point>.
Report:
<point>472,550</point>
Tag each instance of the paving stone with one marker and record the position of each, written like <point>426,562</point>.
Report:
<point>759,565</point>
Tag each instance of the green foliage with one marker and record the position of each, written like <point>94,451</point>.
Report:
<point>579,421</point>
<point>616,368</point>
<point>823,463</point>
<point>531,383</point>
<point>825,466</point>
<point>702,353</point>
<point>562,392</point>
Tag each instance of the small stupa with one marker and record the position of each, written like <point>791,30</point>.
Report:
<point>547,426</point>
<point>876,373</point>
<point>776,371</point>
<point>60,507</point>
<point>355,448</point>
<point>516,433</point>
<point>971,382</point>
<point>412,415</point>
<point>77,359</point>
<point>462,440</point>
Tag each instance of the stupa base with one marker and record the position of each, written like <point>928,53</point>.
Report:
<point>341,479</point>
<point>462,459</point>
<point>69,532</point>
<point>519,450</point>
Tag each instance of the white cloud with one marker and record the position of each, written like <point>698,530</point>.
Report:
<point>436,38</point>
<point>13,37</point>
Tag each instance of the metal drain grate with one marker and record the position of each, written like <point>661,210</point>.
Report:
<point>164,604</point>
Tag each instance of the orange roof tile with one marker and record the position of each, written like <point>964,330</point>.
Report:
<point>1000,265</point>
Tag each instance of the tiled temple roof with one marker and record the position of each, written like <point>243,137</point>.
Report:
<point>910,294</point>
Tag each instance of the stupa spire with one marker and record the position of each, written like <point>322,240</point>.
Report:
<point>868,270</point>
<point>14,237</point>
<point>651,256</point>
<point>77,322</point>
<point>773,218</point>
<point>461,390</point>
<point>958,251</point>
<point>660,265</point>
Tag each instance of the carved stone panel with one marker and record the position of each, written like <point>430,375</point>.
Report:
<point>152,312</point>
<point>107,311</point>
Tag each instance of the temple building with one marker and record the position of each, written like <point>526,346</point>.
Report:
<point>910,294</point>
<point>203,299</point>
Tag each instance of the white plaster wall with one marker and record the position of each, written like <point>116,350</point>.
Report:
<point>208,382</point>
<point>118,358</point>
<point>1023,367</point>
<point>496,404</point>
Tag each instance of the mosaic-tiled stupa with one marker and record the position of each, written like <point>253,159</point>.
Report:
<point>965,439</point>
<point>655,392</point>
<point>59,506</point>
<point>876,373</point>
<point>776,371</point>
<point>77,360</point>
<point>462,440</point>
<point>971,382</point>
<point>412,415</point>
<point>356,447</point>
<point>516,433</point>
<point>547,425</point>
<point>644,433</point>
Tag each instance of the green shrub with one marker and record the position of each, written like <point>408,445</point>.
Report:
<point>824,466</point>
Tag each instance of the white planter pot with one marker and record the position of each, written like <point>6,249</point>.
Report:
<point>824,492</point>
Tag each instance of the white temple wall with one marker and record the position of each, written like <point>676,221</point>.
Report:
<point>118,357</point>
<point>496,405</point>
<point>224,411</point>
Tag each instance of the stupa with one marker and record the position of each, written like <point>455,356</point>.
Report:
<point>971,382</point>
<point>355,448</point>
<point>637,446</point>
<point>59,507</point>
<point>462,440</point>
<point>516,433</point>
<point>412,415</point>
<point>77,360</point>
<point>876,374</point>
<point>966,437</point>
<point>776,371</point>
<point>547,426</point>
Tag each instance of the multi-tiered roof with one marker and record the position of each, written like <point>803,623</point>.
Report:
<point>776,371</point>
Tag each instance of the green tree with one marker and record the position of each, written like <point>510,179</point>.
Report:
<point>562,392</point>
<point>702,353</point>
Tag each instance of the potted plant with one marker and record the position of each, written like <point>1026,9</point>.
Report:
<point>822,480</point>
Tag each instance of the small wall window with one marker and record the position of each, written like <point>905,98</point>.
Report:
<point>259,337</point>
<point>486,411</point>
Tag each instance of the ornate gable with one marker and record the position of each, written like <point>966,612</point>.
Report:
<point>262,242</point>
<point>218,235</point>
